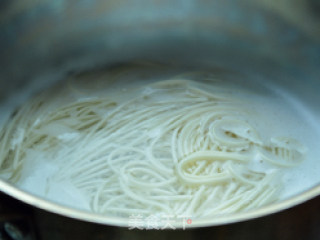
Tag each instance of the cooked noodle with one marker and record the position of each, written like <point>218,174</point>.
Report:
<point>173,148</point>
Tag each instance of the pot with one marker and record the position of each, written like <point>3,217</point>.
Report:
<point>43,41</point>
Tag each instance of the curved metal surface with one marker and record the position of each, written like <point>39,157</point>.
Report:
<point>40,41</point>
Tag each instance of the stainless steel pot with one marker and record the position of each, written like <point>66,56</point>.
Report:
<point>276,42</point>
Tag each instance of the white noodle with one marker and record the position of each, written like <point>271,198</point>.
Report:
<point>172,148</point>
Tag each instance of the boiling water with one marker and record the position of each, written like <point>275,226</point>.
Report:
<point>275,114</point>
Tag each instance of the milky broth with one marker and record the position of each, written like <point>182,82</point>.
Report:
<point>276,113</point>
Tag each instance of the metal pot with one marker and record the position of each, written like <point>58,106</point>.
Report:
<point>42,41</point>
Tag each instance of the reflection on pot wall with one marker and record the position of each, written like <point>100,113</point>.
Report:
<point>39,37</point>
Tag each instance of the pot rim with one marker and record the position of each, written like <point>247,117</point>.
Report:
<point>84,215</point>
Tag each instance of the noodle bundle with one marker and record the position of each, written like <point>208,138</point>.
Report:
<point>172,148</point>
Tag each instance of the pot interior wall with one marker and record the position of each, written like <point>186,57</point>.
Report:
<point>40,38</point>
<point>43,41</point>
